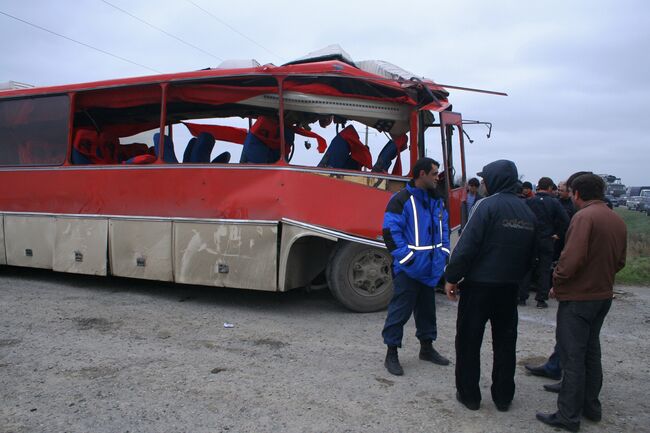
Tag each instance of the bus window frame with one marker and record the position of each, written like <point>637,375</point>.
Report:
<point>67,144</point>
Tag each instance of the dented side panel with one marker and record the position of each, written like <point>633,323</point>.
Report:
<point>80,245</point>
<point>29,240</point>
<point>141,249</point>
<point>227,255</point>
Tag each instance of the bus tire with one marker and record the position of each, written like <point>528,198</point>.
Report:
<point>359,276</point>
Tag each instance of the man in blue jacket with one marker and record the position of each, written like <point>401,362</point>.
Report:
<point>417,235</point>
<point>493,254</point>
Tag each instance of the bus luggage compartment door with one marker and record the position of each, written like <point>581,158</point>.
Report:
<point>80,245</point>
<point>141,248</point>
<point>227,254</point>
<point>29,240</point>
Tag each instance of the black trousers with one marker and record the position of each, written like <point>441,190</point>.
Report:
<point>542,272</point>
<point>578,340</point>
<point>478,304</point>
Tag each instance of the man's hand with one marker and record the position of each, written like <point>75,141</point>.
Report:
<point>551,293</point>
<point>452,291</point>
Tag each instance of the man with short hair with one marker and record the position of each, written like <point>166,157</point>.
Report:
<point>583,283</point>
<point>491,257</point>
<point>552,368</point>
<point>416,234</point>
<point>564,197</point>
<point>527,189</point>
<point>466,206</point>
<point>553,222</point>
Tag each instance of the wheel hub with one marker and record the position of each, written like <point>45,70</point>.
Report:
<point>370,273</point>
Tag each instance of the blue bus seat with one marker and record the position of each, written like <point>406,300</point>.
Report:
<point>223,158</point>
<point>338,155</point>
<point>187,155</point>
<point>202,148</point>
<point>169,156</point>
<point>386,157</point>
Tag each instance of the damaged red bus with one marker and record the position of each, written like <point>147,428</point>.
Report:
<point>160,177</point>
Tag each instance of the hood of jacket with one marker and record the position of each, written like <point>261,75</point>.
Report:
<point>500,176</point>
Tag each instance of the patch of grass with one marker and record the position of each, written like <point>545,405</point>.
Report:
<point>637,267</point>
<point>636,272</point>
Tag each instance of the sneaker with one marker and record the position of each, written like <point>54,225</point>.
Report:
<point>542,304</point>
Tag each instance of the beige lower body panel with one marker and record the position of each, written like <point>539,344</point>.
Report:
<point>141,249</point>
<point>239,254</point>
<point>228,255</point>
<point>81,245</point>
<point>29,240</point>
<point>3,254</point>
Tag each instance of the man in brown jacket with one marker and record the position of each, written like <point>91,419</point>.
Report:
<point>583,284</point>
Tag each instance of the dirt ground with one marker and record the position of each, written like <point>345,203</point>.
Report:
<point>87,354</point>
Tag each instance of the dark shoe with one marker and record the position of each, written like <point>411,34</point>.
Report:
<point>471,405</point>
<point>594,417</point>
<point>502,407</point>
<point>428,353</point>
<point>553,388</point>
<point>543,372</point>
<point>392,362</point>
<point>542,304</point>
<point>522,302</point>
<point>552,420</point>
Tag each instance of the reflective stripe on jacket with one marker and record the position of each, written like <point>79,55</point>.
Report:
<point>416,233</point>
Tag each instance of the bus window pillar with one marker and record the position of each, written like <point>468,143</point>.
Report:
<point>68,153</point>
<point>414,140</point>
<point>163,122</point>
<point>283,143</point>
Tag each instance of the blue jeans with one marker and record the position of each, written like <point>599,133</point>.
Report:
<point>410,296</point>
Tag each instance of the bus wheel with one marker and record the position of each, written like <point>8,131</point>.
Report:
<point>359,277</point>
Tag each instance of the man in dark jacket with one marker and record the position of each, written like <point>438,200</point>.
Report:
<point>416,233</point>
<point>583,282</point>
<point>466,205</point>
<point>552,221</point>
<point>493,254</point>
<point>552,368</point>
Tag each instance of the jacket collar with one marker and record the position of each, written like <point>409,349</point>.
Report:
<point>593,202</point>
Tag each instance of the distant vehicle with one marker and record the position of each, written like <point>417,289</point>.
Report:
<point>645,200</point>
<point>633,202</point>
<point>635,190</point>
<point>616,189</point>
<point>622,200</point>
<point>613,200</point>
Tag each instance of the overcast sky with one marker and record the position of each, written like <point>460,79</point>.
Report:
<point>577,72</point>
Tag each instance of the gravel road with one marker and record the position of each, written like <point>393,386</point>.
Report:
<point>88,354</point>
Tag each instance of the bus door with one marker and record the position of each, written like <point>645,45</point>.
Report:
<point>453,152</point>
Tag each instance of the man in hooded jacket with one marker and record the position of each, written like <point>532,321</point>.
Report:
<point>493,254</point>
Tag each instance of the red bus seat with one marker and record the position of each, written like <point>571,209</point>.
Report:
<point>91,147</point>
